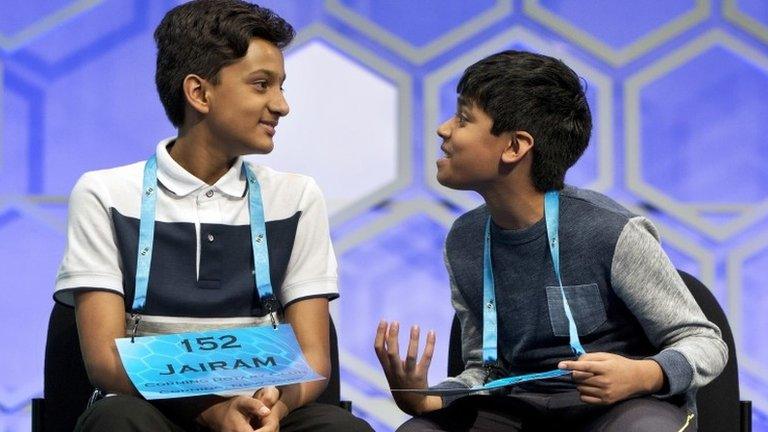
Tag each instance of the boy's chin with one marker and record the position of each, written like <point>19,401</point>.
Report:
<point>451,183</point>
<point>261,148</point>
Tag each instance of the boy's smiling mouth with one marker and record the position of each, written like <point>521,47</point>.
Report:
<point>269,125</point>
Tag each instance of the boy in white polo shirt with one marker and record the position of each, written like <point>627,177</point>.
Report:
<point>219,75</point>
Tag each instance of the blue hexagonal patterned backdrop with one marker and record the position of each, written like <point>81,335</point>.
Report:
<point>679,96</point>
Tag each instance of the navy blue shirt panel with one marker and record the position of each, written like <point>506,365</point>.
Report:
<point>225,286</point>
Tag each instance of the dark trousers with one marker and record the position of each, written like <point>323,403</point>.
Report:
<point>538,412</point>
<point>128,413</point>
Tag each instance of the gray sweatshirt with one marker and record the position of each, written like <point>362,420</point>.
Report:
<point>625,295</point>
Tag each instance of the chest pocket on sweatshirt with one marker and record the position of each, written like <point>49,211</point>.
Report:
<point>586,306</point>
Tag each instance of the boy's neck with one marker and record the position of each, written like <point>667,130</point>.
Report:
<point>197,153</point>
<point>514,206</point>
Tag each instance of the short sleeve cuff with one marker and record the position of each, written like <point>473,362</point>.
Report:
<point>68,284</point>
<point>319,287</point>
<point>677,370</point>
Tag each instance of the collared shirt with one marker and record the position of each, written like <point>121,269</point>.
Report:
<point>202,265</point>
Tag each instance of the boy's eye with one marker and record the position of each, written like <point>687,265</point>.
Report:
<point>460,117</point>
<point>260,85</point>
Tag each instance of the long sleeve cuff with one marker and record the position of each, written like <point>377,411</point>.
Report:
<point>677,371</point>
<point>450,384</point>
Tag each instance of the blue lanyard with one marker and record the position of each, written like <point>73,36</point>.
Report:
<point>490,333</point>
<point>147,235</point>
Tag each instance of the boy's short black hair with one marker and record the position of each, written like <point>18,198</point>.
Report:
<point>201,37</point>
<point>523,91</point>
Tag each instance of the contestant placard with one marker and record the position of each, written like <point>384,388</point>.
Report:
<point>214,361</point>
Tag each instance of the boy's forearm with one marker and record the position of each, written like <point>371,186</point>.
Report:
<point>296,395</point>
<point>113,380</point>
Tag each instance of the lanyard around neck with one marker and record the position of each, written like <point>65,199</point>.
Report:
<point>147,234</point>
<point>490,332</point>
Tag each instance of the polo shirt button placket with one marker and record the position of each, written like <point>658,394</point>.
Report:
<point>209,194</point>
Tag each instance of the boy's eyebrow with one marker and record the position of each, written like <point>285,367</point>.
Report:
<point>267,72</point>
<point>464,103</point>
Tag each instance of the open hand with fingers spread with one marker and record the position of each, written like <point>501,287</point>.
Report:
<point>604,378</point>
<point>409,372</point>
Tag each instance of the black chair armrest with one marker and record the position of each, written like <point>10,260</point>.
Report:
<point>38,405</point>
<point>745,414</point>
<point>346,405</point>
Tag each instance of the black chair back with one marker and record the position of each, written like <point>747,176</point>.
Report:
<point>719,406</point>
<point>66,385</point>
<point>718,401</point>
<point>455,360</point>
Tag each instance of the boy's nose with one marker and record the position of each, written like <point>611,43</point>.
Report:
<point>444,130</point>
<point>280,106</point>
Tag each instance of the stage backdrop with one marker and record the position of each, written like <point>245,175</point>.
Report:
<point>678,91</point>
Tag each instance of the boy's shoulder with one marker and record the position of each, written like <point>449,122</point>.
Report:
<point>283,178</point>
<point>592,201</point>
<point>595,219</point>
<point>116,179</point>
<point>469,225</point>
<point>285,184</point>
<point>593,214</point>
<point>285,194</point>
<point>476,216</point>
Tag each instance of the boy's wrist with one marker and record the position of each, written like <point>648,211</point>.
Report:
<point>431,403</point>
<point>418,404</point>
<point>281,409</point>
<point>289,399</point>
<point>652,376</point>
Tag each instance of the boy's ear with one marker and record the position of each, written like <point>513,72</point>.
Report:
<point>195,92</point>
<point>520,143</point>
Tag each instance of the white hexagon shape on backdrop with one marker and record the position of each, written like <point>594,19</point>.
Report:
<point>348,126</point>
<point>97,131</point>
<point>476,19</point>
<point>639,41</point>
<point>408,283</point>
<point>47,19</point>
<point>100,27</point>
<point>746,314</point>
<point>26,296</point>
<point>748,17</point>
<point>18,130</point>
<point>710,207</point>
<point>2,116</point>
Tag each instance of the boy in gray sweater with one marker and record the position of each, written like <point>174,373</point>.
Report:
<point>639,344</point>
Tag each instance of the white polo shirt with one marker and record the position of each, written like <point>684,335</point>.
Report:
<point>202,264</point>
